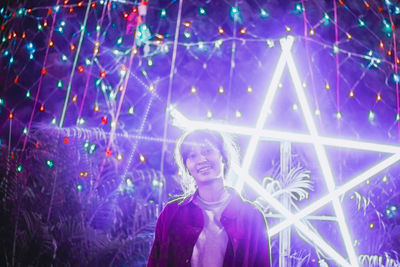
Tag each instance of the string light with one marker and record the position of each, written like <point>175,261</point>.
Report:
<point>391,211</point>
<point>238,114</point>
<point>50,164</point>
<point>371,115</point>
<point>129,183</point>
<point>83,174</point>
<point>19,168</point>
<point>263,13</point>
<point>326,20</point>
<point>202,11</point>
<point>381,45</point>
<point>327,86</point>
<point>298,8</point>
<point>80,121</point>
<point>79,187</point>
<point>163,13</point>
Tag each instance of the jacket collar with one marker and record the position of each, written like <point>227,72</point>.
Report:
<point>231,211</point>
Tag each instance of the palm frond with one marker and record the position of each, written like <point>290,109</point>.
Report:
<point>362,202</point>
<point>297,183</point>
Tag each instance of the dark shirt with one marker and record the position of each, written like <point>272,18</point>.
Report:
<point>181,222</point>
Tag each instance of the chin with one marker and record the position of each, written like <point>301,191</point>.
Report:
<point>206,180</point>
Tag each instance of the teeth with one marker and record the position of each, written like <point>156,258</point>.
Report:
<point>205,168</point>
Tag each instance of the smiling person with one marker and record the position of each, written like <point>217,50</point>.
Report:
<point>210,225</point>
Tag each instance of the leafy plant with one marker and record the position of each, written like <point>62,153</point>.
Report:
<point>51,216</point>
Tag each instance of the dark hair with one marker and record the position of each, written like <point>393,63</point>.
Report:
<point>222,142</point>
<point>201,137</point>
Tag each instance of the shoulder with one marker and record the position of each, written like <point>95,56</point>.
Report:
<point>174,204</point>
<point>251,208</point>
<point>251,212</point>
<point>244,204</point>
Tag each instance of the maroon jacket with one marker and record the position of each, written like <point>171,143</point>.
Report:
<point>181,222</point>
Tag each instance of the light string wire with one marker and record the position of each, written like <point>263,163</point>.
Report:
<point>91,66</point>
<point>69,88</point>
<point>40,79</point>
<point>171,79</point>
<point>306,44</point>
<point>396,72</point>
<point>125,86</point>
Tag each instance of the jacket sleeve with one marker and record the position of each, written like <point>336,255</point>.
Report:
<point>262,244</point>
<point>159,252</point>
<point>155,253</point>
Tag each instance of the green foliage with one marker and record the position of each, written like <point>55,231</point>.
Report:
<point>46,221</point>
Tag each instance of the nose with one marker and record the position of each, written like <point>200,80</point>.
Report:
<point>202,157</point>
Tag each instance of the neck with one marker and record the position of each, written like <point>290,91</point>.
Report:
<point>212,191</point>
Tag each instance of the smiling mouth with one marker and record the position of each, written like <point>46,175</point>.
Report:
<point>204,169</point>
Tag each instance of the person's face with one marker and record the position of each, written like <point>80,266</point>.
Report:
<point>205,163</point>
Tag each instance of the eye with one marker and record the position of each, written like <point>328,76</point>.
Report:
<point>207,151</point>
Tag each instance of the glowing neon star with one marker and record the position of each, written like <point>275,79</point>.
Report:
<point>334,192</point>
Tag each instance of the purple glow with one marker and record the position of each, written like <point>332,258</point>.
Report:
<point>85,85</point>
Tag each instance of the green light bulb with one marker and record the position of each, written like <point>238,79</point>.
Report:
<point>263,13</point>
<point>49,164</point>
<point>202,11</point>
<point>163,13</point>
<point>79,187</point>
<point>19,168</point>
